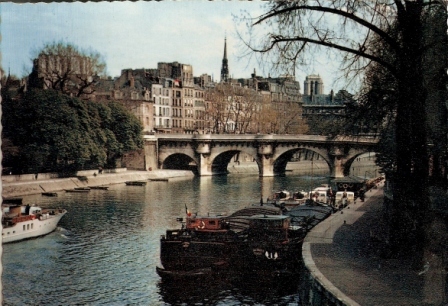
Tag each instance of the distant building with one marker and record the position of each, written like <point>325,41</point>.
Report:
<point>177,107</point>
<point>321,109</point>
<point>71,74</point>
<point>313,85</point>
<point>204,81</point>
<point>286,101</point>
<point>199,110</point>
<point>161,95</point>
<point>169,99</point>
<point>132,89</point>
<point>183,93</point>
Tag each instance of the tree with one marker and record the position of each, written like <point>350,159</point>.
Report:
<point>49,131</point>
<point>295,29</point>
<point>232,108</point>
<point>66,68</point>
<point>125,128</point>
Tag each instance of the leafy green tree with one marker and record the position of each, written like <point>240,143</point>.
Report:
<point>55,132</point>
<point>125,132</point>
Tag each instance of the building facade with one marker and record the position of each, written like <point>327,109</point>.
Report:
<point>132,90</point>
<point>169,99</point>
<point>72,74</point>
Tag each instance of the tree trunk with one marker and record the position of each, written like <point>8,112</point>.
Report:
<point>411,198</point>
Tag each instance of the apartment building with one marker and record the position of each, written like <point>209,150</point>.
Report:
<point>162,96</point>
<point>282,102</point>
<point>132,91</point>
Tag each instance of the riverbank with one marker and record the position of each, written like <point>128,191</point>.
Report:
<point>32,185</point>
<point>345,267</point>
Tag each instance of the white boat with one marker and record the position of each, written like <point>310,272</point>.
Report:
<point>344,198</point>
<point>287,199</point>
<point>24,221</point>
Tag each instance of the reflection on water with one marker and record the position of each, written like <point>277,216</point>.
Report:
<point>107,246</point>
<point>228,290</point>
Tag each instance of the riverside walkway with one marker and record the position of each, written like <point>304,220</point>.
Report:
<point>342,256</point>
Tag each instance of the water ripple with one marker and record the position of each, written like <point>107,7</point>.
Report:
<point>106,247</point>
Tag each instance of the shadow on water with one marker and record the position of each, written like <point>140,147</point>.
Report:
<point>230,289</point>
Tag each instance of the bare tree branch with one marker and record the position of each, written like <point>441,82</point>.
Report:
<point>334,11</point>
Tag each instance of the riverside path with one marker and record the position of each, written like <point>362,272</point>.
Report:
<point>342,256</point>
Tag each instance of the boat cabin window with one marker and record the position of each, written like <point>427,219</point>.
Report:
<point>269,224</point>
<point>204,223</point>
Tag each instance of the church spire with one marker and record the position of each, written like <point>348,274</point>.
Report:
<point>225,65</point>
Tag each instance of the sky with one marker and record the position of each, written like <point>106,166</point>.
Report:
<point>138,35</point>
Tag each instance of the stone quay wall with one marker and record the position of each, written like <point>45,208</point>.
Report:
<point>14,186</point>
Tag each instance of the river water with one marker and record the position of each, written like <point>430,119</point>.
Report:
<point>106,248</point>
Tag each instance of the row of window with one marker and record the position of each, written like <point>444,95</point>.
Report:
<point>165,123</point>
<point>26,227</point>
<point>163,111</point>
<point>160,91</point>
<point>161,100</point>
<point>323,111</point>
<point>134,95</point>
<point>176,112</point>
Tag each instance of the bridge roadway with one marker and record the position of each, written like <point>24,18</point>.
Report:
<point>211,153</point>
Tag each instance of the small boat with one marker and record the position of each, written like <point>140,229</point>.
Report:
<point>77,190</point>
<point>81,188</point>
<point>285,198</point>
<point>50,194</point>
<point>344,198</point>
<point>135,183</point>
<point>22,222</point>
<point>159,179</point>
<point>17,201</point>
<point>100,187</point>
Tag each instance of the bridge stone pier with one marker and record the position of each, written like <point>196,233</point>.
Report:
<point>210,154</point>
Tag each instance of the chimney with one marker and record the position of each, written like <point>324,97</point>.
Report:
<point>131,82</point>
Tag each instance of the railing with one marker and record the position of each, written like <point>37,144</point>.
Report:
<point>272,137</point>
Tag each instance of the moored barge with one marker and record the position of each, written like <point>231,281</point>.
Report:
<point>258,238</point>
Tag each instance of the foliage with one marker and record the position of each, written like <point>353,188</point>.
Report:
<point>125,130</point>
<point>54,132</point>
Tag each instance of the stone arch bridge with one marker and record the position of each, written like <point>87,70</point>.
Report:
<point>210,154</point>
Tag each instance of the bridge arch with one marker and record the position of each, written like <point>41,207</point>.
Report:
<point>352,160</point>
<point>283,156</point>
<point>220,159</point>
<point>179,161</point>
